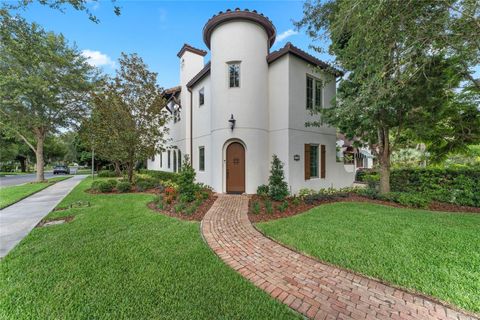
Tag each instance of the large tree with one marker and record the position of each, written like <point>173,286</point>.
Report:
<point>405,62</point>
<point>128,121</point>
<point>45,84</point>
<point>61,5</point>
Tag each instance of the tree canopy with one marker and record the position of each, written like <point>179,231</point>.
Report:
<point>128,120</point>
<point>45,84</point>
<point>409,71</point>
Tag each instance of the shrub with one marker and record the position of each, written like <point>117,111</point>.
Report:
<point>416,200</point>
<point>95,185</point>
<point>268,206</point>
<point>160,175</point>
<point>256,207</point>
<point>262,190</point>
<point>106,185</point>
<point>106,174</point>
<point>124,186</point>
<point>296,201</point>
<point>372,180</point>
<point>186,181</point>
<point>170,194</point>
<point>305,192</point>
<point>179,207</point>
<point>316,197</point>
<point>160,202</point>
<point>283,207</point>
<point>277,186</point>
<point>145,184</point>
<point>457,185</point>
<point>191,209</point>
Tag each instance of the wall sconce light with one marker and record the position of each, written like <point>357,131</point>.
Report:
<point>232,122</point>
<point>296,157</point>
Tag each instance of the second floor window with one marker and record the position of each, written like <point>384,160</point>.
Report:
<point>234,75</point>
<point>201,96</point>
<point>176,114</point>
<point>314,93</point>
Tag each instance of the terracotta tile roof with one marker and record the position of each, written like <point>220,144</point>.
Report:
<point>290,48</point>
<point>187,47</point>
<point>199,76</point>
<point>238,14</point>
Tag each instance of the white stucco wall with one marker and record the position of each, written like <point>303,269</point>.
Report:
<point>244,42</point>
<point>269,108</point>
<point>202,130</point>
<point>299,134</point>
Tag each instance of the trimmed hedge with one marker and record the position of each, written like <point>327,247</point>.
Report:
<point>459,186</point>
<point>161,175</point>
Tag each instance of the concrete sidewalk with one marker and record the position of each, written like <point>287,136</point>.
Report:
<point>17,220</point>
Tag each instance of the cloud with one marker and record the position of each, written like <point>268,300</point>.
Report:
<point>98,59</point>
<point>284,35</point>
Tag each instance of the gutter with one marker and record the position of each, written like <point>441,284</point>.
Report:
<point>191,126</point>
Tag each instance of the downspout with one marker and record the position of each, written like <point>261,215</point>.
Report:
<point>191,126</point>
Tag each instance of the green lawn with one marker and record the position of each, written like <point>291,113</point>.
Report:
<point>434,253</point>
<point>10,195</point>
<point>119,260</point>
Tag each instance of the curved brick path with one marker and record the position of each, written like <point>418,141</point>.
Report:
<point>310,287</point>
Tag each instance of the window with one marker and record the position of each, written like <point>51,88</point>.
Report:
<point>309,93</point>
<point>174,161</point>
<point>315,161</point>
<point>234,75</point>
<point>201,159</point>
<point>314,93</point>
<point>161,159</point>
<point>201,96</point>
<point>179,160</point>
<point>168,159</point>
<point>318,94</point>
<point>176,114</point>
<point>153,158</point>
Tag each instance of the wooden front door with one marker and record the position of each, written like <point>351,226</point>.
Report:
<point>235,168</point>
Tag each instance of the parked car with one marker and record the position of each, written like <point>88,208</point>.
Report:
<point>61,170</point>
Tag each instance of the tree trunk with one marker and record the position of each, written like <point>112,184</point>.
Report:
<point>40,137</point>
<point>384,160</point>
<point>118,170</point>
<point>130,172</point>
<point>23,163</point>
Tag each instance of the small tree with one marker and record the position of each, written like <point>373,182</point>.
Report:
<point>186,181</point>
<point>127,124</point>
<point>277,186</point>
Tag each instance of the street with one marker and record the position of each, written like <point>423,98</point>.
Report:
<point>14,180</point>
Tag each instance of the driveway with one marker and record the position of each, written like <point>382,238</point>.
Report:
<point>17,220</point>
<point>14,180</point>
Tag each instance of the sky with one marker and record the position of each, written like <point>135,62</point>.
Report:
<point>156,30</point>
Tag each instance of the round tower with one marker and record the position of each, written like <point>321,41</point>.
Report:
<point>239,42</point>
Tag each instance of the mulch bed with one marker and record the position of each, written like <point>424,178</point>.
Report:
<point>303,207</point>
<point>66,219</point>
<point>196,216</point>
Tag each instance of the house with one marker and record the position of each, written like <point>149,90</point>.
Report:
<point>233,113</point>
<point>354,157</point>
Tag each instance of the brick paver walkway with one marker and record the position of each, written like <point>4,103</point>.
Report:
<point>314,289</point>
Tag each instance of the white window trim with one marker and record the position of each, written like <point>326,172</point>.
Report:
<point>314,93</point>
<point>239,63</point>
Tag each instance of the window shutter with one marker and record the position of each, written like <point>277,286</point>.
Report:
<point>322,161</point>
<point>307,161</point>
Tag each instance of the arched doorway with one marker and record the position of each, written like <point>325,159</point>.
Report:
<point>235,168</point>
